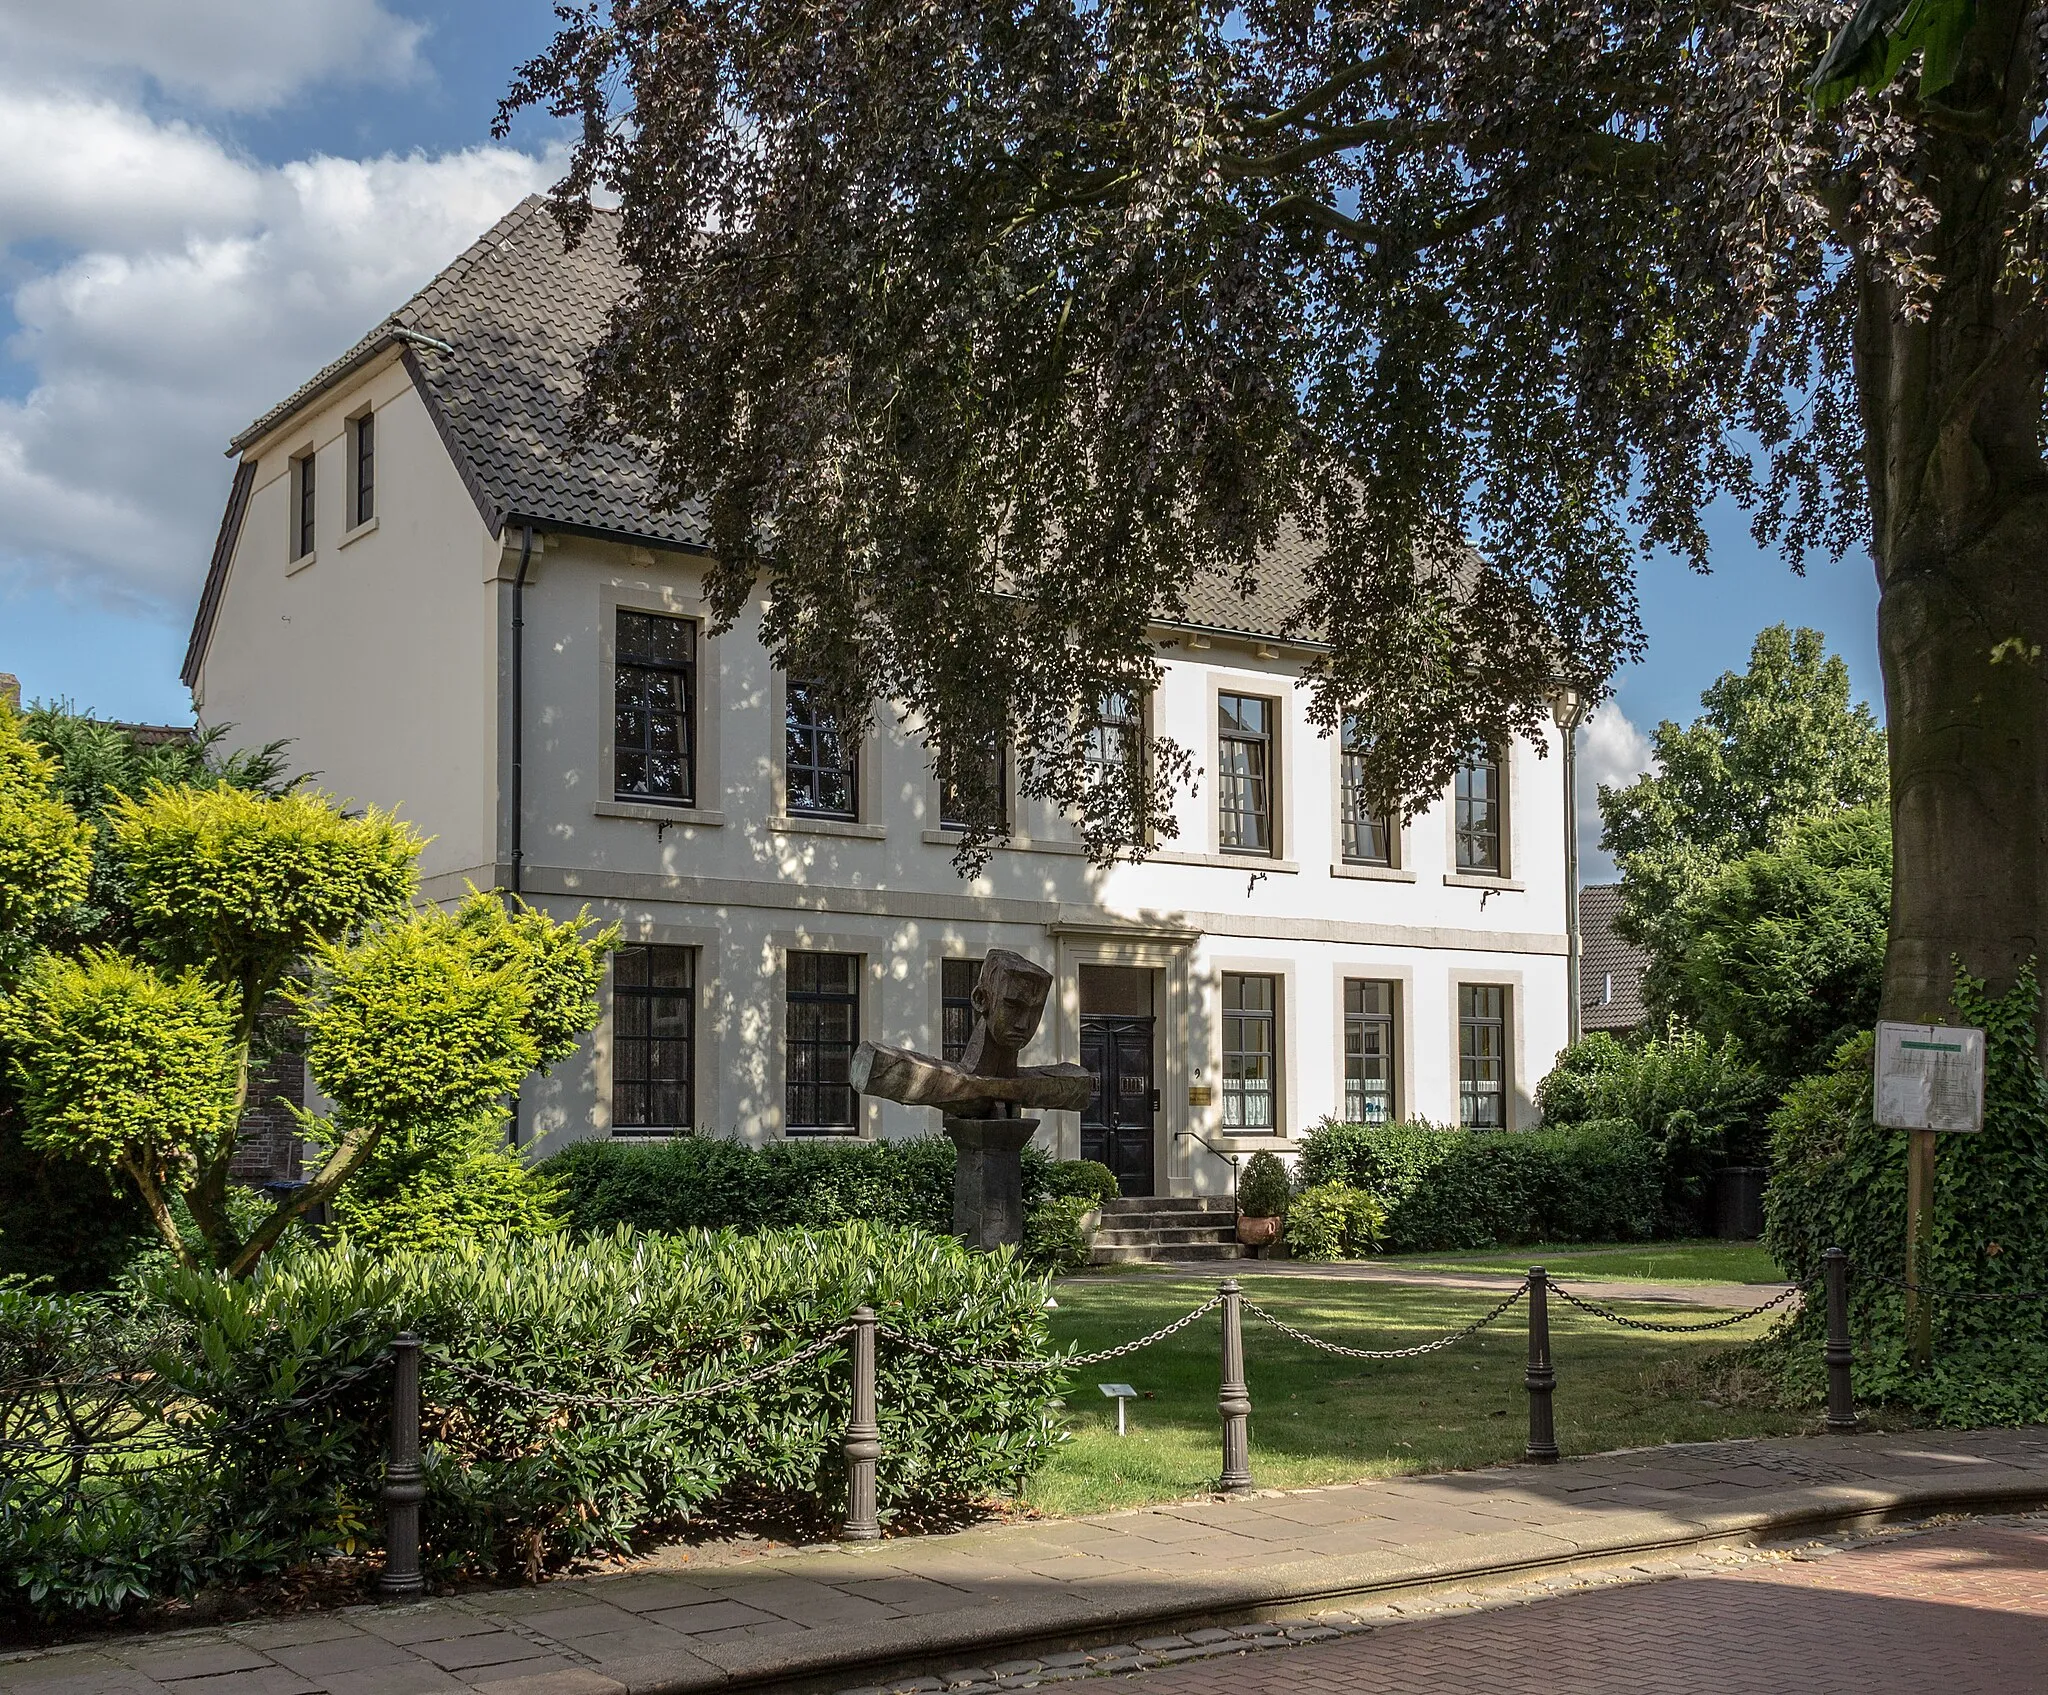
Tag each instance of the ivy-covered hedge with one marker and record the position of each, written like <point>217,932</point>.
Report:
<point>1443,1189</point>
<point>1840,1181</point>
<point>519,1478</point>
<point>698,1183</point>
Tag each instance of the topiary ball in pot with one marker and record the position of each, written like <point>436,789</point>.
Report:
<point>1262,1195</point>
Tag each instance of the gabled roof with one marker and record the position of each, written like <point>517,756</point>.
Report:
<point>495,345</point>
<point>1607,963</point>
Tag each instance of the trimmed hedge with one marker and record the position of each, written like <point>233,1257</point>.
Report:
<point>1443,1189</point>
<point>516,1483</point>
<point>698,1183</point>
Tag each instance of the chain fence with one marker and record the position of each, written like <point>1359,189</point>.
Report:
<point>1060,1362</point>
<point>1416,1352</point>
<point>1607,1314</point>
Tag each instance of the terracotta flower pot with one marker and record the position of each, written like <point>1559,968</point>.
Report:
<point>1258,1232</point>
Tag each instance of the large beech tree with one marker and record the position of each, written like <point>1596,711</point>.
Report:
<point>986,330</point>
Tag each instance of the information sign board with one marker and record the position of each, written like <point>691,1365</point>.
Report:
<point>1930,1077</point>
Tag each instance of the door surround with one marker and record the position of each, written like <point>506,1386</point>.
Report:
<point>1166,952</point>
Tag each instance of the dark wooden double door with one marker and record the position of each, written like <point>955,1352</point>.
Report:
<point>1123,1105</point>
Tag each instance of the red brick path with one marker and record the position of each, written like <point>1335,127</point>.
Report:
<point>1954,1611</point>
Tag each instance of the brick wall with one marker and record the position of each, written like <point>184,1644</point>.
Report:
<point>272,1143</point>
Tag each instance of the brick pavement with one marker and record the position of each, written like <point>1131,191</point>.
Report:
<point>1959,1610</point>
<point>824,1618</point>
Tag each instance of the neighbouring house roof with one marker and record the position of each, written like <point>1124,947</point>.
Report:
<point>1610,969</point>
<point>495,345</point>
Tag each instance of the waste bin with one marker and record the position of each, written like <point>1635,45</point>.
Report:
<point>1739,1202</point>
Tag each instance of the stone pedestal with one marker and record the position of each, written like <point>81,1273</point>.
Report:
<point>988,1179</point>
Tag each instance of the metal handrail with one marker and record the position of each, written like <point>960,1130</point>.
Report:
<point>1232,1159</point>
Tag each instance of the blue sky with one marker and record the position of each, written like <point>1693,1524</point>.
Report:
<point>200,204</point>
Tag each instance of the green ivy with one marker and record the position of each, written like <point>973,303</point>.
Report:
<point>1839,1180</point>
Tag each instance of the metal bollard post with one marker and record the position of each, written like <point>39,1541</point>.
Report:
<point>1233,1398</point>
<point>404,1485</point>
<point>863,1443</point>
<point>1839,1352</point>
<point>1541,1377</point>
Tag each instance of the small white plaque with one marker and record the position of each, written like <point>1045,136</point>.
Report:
<point>1120,1391</point>
<point>1930,1077</point>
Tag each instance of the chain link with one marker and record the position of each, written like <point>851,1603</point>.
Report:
<point>1612,1317</point>
<point>1061,1362</point>
<point>661,1398</point>
<point>1419,1349</point>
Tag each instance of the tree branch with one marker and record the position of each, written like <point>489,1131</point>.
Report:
<point>159,1211</point>
<point>1318,97</point>
<point>349,1153</point>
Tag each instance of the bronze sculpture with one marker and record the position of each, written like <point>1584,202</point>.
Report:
<point>983,1095</point>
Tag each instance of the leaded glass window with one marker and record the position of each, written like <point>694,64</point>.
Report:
<point>823,992</point>
<point>956,1005</point>
<point>654,1038</point>
<point>822,766</point>
<point>654,726</point>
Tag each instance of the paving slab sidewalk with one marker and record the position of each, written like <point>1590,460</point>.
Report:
<point>829,1617</point>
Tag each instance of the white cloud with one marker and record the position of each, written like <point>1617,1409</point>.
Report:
<point>1613,751</point>
<point>170,332</point>
<point>236,55</point>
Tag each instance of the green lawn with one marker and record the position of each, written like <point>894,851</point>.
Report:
<point>1319,1419</point>
<point>1701,1261</point>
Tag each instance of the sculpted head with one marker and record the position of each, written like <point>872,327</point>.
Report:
<point>1009,996</point>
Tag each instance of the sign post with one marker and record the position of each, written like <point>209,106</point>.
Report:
<point>1930,1078</point>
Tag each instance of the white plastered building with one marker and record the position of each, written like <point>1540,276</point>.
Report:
<point>587,738</point>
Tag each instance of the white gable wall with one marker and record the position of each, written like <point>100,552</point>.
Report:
<point>377,657</point>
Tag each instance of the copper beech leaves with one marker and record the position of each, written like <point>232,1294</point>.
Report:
<point>985,334</point>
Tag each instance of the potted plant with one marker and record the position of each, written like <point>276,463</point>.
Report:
<point>1262,1195</point>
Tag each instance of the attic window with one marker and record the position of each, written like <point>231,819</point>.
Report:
<point>363,450</point>
<point>302,505</point>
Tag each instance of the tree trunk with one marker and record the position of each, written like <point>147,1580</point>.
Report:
<point>1952,401</point>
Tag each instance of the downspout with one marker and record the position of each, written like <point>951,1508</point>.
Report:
<point>518,845</point>
<point>518,853</point>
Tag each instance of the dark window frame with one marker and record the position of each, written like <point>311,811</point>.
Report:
<point>1484,1054</point>
<point>1358,1019</point>
<point>1256,782</point>
<point>952,815</point>
<point>639,673</point>
<point>305,487</point>
<point>1121,721</point>
<point>1480,821</point>
<point>811,1059</point>
<point>629,1041</point>
<point>810,738</point>
<point>1365,837</point>
<point>362,435</point>
<point>1236,1021</point>
<point>957,978</point>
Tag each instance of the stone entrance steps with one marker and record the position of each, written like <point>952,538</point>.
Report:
<point>1165,1227</point>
